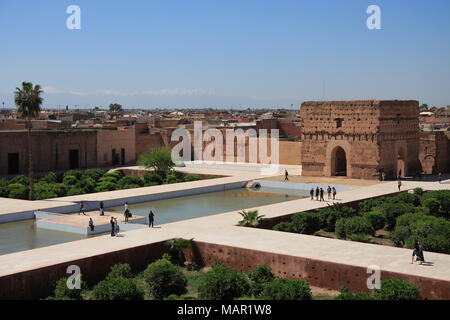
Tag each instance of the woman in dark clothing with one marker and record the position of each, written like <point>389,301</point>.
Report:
<point>113,227</point>
<point>420,254</point>
<point>151,219</point>
<point>415,250</point>
<point>317,193</point>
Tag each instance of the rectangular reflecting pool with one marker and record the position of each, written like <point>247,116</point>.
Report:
<point>23,235</point>
<point>171,210</point>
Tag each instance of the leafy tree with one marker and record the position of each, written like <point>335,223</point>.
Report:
<point>159,159</point>
<point>223,283</point>
<point>353,226</point>
<point>433,205</point>
<point>164,279</point>
<point>115,107</point>
<point>117,288</point>
<point>120,270</point>
<point>286,289</point>
<point>250,218</point>
<point>376,219</point>
<point>152,177</point>
<point>259,277</point>
<point>175,247</point>
<point>305,222</point>
<point>28,101</point>
<point>395,289</point>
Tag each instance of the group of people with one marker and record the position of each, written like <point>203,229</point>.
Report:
<point>319,192</point>
<point>114,224</point>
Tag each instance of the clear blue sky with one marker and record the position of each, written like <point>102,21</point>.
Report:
<point>225,53</point>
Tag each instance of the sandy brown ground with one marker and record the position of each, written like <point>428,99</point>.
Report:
<point>323,293</point>
<point>327,180</point>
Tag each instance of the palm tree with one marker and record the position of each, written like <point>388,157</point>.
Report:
<point>250,218</point>
<point>28,101</point>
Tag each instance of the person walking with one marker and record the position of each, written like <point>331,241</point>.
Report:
<point>317,193</point>
<point>329,192</point>
<point>91,224</point>
<point>321,195</point>
<point>116,226</point>
<point>383,176</point>
<point>334,193</point>
<point>420,254</point>
<point>126,213</point>
<point>440,177</point>
<point>113,227</point>
<point>415,251</point>
<point>286,174</point>
<point>311,193</point>
<point>399,184</point>
<point>102,212</point>
<point>151,218</point>
<point>81,208</point>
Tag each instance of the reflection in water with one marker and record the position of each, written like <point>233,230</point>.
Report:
<point>171,210</point>
<point>23,235</point>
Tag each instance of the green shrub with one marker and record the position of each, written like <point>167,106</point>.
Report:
<point>95,174</point>
<point>286,289</point>
<point>17,191</point>
<point>283,226</point>
<point>105,186</point>
<point>60,189</point>
<point>50,178</point>
<point>418,191</point>
<point>159,159</point>
<point>119,288</point>
<point>329,216</point>
<point>191,177</point>
<point>70,180</point>
<point>353,226</point>
<point>75,173</point>
<point>152,177</point>
<point>171,178</point>
<point>115,174</point>
<point>443,196</point>
<point>392,211</point>
<point>395,289</point>
<point>86,184</point>
<point>346,294</point>
<point>43,190</point>
<point>175,247</point>
<point>20,180</point>
<point>406,197</point>
<point>433,205</point>
<point>376,219</point>
<point>432,232</point>
<point>129,181</point>
<point>305,222</point>
<point>109,179</point>
<point>359,237</point>
<point>120,270</point>
<point>369,204</point>
<point>164,279</point>
<point>62,292</point>
<point>74,191</point>
<point>223,283</point>
<point>259,277</point>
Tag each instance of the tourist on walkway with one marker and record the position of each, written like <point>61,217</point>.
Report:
<point>420,255</point>
<point>383,176</point>
<point>116,226</point>
<point>113,227</point>
<point>151,218</point>
<point>126,213</point>
<point>321,195</point>
<point>399,184</point>
<point>286,174</point>
<point>81,208</point>
<point>102,212</point>
<point>317,193</point>
<point>91,224</point>
<point>311,192</point>
<point>415,251</point>
<point>334,193</point>
<point>329,192</point>
<point>440,177</point>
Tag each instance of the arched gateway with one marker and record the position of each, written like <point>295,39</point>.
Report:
<point>338,162</point>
